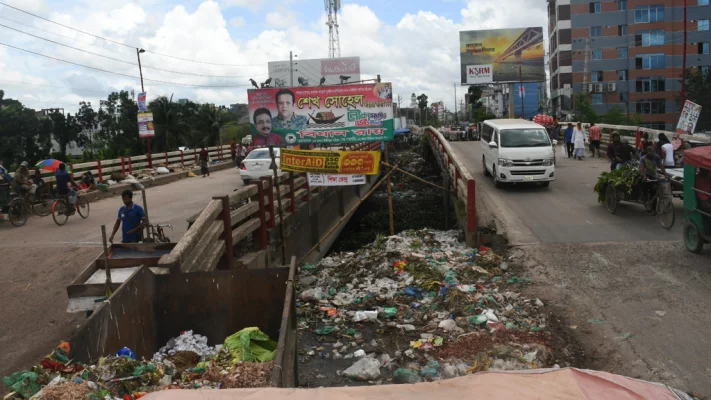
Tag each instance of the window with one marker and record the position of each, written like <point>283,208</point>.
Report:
<point>622,52</point>
<point>597,54</point>
<point>486,133</point>
<point>596,98</point>
<point>703,2</point>
<point>649,38</point>
<point>651,107</point>
<point>703,24</point>
<point>623,74</point>
<point>650,61</point>
<point>624,97</point>
<point>524,138</point>
<point>651,84</point>
<point>622,5</point>
<point>704,48</point>
<point>622,30</point>
<point>597,30</point>
<point>596,76</point>
<point>595,8</point>
<point>654,125</point>
<point>644,14</point>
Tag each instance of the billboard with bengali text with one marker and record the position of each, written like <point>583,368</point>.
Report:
<point>321,115</point>
<point>502,55</point>
<point>688,118</point>
<point>311,72</point>
<point>145,125</point>
<point>330,161</point>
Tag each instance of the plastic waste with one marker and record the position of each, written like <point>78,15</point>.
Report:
<point>250,344</point>
<point>25,383</point>
<point>359,353</point>
<point>365,316</point>
<point>404,375</point>
<point>430,370</point>
<point>478,319</point>
<point>126,352</point>
<point>389,312</point>
<point>325,330</point>
<point>413,291</point>
<point>162,170</point>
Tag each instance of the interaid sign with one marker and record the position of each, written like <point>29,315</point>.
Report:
<point>480,74</point>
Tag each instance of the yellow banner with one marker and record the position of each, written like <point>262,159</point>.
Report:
<point>330,162</point>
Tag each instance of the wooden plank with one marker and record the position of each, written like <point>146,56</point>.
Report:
<point>245,229</point>
<point>193,235</point>
<point>243,212</point>
<point>117,275</point>
<point>300,181</point>
<point>243,194</point>
<point>82,304</point>
<point>192,260</point>
<point>212,256</point>
<point>90,290</point>
<point>300,193</point>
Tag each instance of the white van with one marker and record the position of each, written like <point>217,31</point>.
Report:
<point>515,150</point>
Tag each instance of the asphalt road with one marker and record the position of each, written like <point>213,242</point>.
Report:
<point>630,293</point>
<point>40,259</point>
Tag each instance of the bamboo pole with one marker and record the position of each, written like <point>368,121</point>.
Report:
<point>417,178</point>
<point>390,196</point>
<point>145,209</point>
<point>347,215</point>
<point>281,210</point>
<point>106,260</point>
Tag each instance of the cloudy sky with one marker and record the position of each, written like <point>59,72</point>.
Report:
<point>413,44</point>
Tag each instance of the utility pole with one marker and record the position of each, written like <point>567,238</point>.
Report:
<point>140,72</point>
<point>291,69</point>
<point>456,116</point>
<point>683,63</point>
<point>521,92</point>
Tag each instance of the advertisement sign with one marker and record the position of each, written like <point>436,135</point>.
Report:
<point>327,114</point>
<point>502,56</point>
<point>315,72</point>
<point>330,161</point>
<point>688,118</point>
<point>145,125</point>
<point>480,74</point>
<point>142,103</point>
<point>335,180</point>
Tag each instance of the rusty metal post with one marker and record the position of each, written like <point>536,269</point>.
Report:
<point>228,260</point>
<point>123,166</point>
<point>282,222</point>
<point>98,168</point>
<point>130,165</point>
<point>271,223</point>
<point>166,159</point>
<point>106,260</point>
<point>262,214</point>
<point>71,170</point>
<point>292,208</point>
<point>182,159</point>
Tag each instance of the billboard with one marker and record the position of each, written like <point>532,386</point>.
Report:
<point>321,115</point>
<point>145,125</point>
<point>142,103</point>
<point>335,180</point>
<point>502,55</point>
<point>688,118</point>
<point>330,161</point>
<point>526,99</point>
<point>315,72</point>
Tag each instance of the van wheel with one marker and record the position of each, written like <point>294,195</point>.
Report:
<point>483,165</point>
<point>497,184</point>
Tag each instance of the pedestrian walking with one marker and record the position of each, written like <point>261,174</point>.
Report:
<point>233,151</point>
<point>594,135</point>
<point>569,140</point>
<point>204,160</point>
<point>612,149</point>
<point>241,154</point>
<point>579,142</point>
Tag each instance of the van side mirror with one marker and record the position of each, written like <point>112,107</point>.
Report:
<point>493,145</point>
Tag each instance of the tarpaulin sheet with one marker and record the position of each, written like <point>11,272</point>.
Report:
<point>567,383</point>
<point>698,157</point>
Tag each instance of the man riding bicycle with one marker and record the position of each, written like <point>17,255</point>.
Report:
<point>63,189</point>
<point>649,164</point>
<point>23,184</point>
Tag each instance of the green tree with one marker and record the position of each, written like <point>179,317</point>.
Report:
<point>698,90</point>
<point>171,129</point>
<point>584,111</point>
<point>87,118</point>
<point>66,130</point>
<point>210,122</point>
<point>118,126</point>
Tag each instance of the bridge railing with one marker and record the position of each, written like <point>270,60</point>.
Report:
<point>462,181</point>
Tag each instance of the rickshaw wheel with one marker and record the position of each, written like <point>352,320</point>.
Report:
<point>18,212</point>
<point>692,237</point>
<point>611,199</point>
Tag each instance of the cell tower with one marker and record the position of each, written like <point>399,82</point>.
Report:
<point>334,44</point>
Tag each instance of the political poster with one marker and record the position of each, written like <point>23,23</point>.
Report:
<point>688,118</point>
<point>314,72</point>
<point>502,56</point>
<point>321,115</point>
<point>335,180</point>
<point>142,103</point>
<point>145,125</point>
<point>330,161</point>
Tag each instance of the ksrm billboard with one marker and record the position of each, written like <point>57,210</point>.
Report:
<point>502,56</point>
<point>315,72</point>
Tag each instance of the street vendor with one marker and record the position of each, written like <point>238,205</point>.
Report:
<point>131,218</point>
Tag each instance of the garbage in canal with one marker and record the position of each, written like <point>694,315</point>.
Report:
<point>438,307</point>
<point>185,362</point>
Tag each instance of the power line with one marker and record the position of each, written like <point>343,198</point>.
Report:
<point>128,62</point>
<point>119,73</point>
<point>123,44</point>
<point>52,86</point>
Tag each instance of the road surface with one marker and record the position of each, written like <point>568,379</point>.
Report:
<point>634,298</point>
<point>40,259</point>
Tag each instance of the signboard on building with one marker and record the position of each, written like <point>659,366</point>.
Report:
<point>327,114</point>
<point>330,161</point>
<point>145,125</point>
<point>688,118</point>
<point>335,180</point>
<point>142,103</point>
<point>332,71</point>
<point>502,56</point>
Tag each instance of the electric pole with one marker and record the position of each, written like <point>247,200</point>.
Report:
<point>140,72</point>
<point>683,63</point>
<point>456,116</point>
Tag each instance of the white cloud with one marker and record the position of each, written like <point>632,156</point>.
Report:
<point>253,5</point>
<point>237,21</point>
<point>277,19</point>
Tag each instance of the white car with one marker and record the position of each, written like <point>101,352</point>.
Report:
<point>517,151</point>
<point>257,163</point>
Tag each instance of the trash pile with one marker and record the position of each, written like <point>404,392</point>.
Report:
<point>244,360</point>
<point>417,306</point>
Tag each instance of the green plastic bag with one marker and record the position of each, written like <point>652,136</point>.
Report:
<point>25,383</point>
<point>250,344</point>
<point>325,330</point>
<point>390,312</point>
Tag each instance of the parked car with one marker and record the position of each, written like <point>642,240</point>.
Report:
<point>257,163</point>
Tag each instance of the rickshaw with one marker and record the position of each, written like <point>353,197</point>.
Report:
<point>697,216</point>
<point>12,208</point>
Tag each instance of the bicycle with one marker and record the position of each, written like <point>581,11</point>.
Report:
<point>156,234</point>
<point>61,210</point>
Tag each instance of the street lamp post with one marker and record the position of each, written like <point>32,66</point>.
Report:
<point>140,71</point>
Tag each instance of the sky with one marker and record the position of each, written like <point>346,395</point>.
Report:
<point>223,43</point>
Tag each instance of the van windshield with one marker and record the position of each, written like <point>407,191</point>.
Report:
<point>524,138</point>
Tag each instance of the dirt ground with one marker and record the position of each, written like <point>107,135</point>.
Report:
<point>40,259</point>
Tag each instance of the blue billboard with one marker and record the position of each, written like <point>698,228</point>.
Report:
<point>529,97</point>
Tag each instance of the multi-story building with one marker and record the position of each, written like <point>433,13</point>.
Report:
<point>626,53</point>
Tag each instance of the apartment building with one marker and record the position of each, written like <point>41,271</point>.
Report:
<point>626,53</point>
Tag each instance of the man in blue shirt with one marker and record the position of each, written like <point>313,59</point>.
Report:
<point>569,140</point>
<point>63,189</point>
<point>132,219</point>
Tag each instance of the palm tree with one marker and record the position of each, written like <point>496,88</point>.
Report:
<point>211,121</point>
<point>169,122</point>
